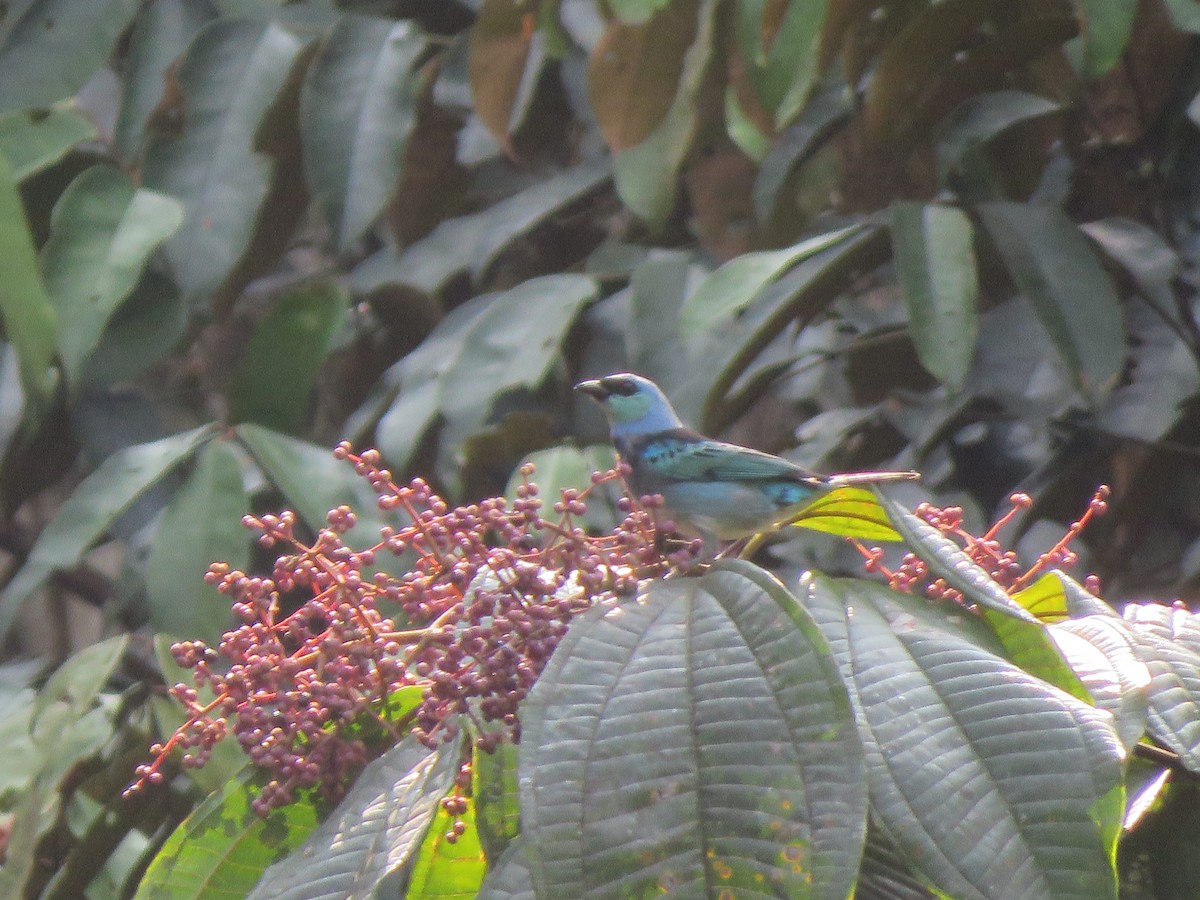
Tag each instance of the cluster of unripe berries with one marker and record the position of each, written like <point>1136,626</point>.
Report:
<point>307,683</point>
<point>913,576</point>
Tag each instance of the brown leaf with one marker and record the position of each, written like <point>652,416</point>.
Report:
<point>499,52</point>
<point>634,72</point>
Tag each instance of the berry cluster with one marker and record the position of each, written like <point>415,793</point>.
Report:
<point>488,594</point>
<point>912,575</point>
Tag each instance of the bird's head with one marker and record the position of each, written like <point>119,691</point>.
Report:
<point>633,404</point>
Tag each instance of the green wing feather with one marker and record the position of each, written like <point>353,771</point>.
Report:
<point>703,459</point>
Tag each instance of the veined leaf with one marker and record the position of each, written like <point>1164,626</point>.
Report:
<point>222,848</point>
<point>962,747</point>
<point>850,512</point>
<point>1046,598</point>
<point>449,871</point>
<point>696,735</point>
<point>374,830</point>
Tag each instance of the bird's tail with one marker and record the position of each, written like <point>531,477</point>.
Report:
<point>853,478</point>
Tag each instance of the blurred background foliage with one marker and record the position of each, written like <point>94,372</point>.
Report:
<point>956,236</point>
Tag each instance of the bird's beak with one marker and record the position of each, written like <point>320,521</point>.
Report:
<point>593,389</point>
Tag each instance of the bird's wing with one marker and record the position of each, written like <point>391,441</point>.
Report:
<point>693,457</point>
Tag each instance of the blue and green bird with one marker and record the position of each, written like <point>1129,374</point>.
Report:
<point>711,489</point>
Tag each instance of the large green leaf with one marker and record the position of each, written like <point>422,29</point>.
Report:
<point>202,525</point>
<point>223,847</point>
<point>32,140</point>
<point>279,365</point>
<point>357,110</point>
<point>693,739</point>
<point>1167,640</point>
<point>92,508</point>
<point>646,175</point>
<point>982,118</point>
<point>229,78</point>
<point>25,309</point>
<point>994,784</point>
<point>162,32</point>
<point>1103,653</point>
<point>935,265</point>
<point>55,46</point>
<point>375,829</point>
<point>1054,265</point>
<point>102,232</point>
<point>743,279</point>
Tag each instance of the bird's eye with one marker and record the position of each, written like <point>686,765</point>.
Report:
<point>622,386</point>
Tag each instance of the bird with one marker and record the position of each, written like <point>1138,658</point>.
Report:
<point>710,489</point>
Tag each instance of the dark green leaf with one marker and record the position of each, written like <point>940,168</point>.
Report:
<point>279,365</point>
<point>145,327</point>
<point>935,265</point>
<point>984,117</point>
<point>231,75</point>
<point>55,46</point>
<point>93,507</point>
<point>512,345</point>
<point>509,877</point>
<point>29,322</point>
<point>1053,264</point>
<point>202,525</point>
<point>993,783</point>
<point>163,31</point>
<point>32,141</point>
<point>223,847</point>
<point>828,108</point>
<point>694,737</point>
<point>356,115</point>
<point>102,233</point>
<point>742,280</point>
<point>949,561</point>
<point>374,830</point>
